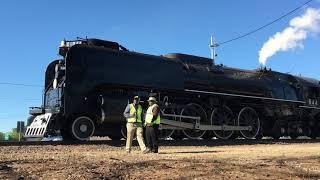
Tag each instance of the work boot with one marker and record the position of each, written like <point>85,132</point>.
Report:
<point>155,150</point>
<point>147,150</point>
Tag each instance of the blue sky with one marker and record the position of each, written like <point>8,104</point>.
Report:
<point>32,30</point>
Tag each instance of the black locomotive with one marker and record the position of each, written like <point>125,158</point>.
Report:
<point>87,91</point>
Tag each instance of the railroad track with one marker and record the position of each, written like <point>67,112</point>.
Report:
<point>215,142</point>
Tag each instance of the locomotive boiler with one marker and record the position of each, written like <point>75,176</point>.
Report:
<point>87,90</point>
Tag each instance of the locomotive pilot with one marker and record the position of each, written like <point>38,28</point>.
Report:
<point>152,121</point>
<point>133,113</point>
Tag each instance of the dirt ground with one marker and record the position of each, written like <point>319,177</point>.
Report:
<point>262,161</point>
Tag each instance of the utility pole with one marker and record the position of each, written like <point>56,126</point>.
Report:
<point>19,131</point>
<point>212,46</point>
<point>20,128</point>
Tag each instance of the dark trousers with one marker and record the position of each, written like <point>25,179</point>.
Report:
<point>152,137</point>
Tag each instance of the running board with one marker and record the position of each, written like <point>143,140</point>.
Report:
<point>172,124</point>
<point>38,127</point>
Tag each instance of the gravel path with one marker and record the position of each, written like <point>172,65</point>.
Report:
<point>263,161</point>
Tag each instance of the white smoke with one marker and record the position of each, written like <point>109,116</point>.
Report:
<point>292,37</point>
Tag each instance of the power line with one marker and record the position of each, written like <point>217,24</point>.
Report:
<point>20,100</point>
<point>266,25</point>
<point>218,44</point>
<point>18,84</point>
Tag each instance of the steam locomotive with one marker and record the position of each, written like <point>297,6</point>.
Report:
<point>87,90</point>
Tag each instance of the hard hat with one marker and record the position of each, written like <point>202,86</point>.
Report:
<point>152,99</point>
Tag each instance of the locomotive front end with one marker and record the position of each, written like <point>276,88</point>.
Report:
<point>44,121</point>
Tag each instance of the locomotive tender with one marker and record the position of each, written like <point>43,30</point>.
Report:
<point>87,90</point>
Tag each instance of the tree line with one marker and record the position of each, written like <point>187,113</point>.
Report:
<point>13,135</point>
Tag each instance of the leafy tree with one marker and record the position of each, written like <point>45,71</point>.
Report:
<point>1,136</point>
<point>14,135</point>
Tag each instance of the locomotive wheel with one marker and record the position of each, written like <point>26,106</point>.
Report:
<point>276,133</point>
<point>208,135</point>
<point>177,135</point>
<point>82,128</point>
<point>249,117</point>
<point>235,135</point>
<point>294,136</point>
<point>115,137</point>
<point>116,134</point>
<point>66,136</point>
<point>259,136</point>
<point>167,133</point>
<point>314,130</point>
<point>276,136</point>
<point>222,116</point>
<point>194,110</point>
<point>124,131</point>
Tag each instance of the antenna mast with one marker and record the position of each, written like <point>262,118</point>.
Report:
<point>212,46</point>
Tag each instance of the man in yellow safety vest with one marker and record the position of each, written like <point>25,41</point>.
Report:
<point>133,113</point>
<point>152,122</point>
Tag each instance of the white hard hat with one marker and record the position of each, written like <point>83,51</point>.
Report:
<point>152,99</point>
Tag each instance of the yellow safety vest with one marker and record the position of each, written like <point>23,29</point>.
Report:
<point>138,112</point>
<point>149,116</point>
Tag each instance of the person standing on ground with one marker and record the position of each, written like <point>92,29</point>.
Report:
<point>152,122</point>
<point>133,113</point>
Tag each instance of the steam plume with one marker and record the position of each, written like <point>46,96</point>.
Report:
<point>292,37</point>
